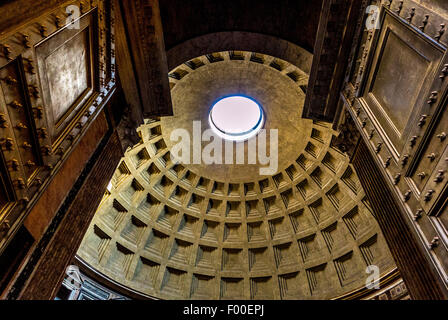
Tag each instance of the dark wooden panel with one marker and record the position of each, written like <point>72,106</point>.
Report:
<point>145,35</point>
<point>336,30</point>
<point>417,272</point>
<point>11,258</point>
<point>49,272</point>
<point>46,207</point>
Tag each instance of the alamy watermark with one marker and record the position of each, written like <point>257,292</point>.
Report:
<point>189,149</point>
<point>373,20</point>
<point>73,14</point>
<point>373,280</point>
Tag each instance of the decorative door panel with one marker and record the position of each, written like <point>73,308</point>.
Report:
<point>56,73</point>
<point>396,92</point>
<point>24,134</point>
<point>430,157</point>
<point>403,67</point>
<point>67,75</point>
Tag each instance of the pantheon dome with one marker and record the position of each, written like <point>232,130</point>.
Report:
<point>189,152</point>
<point>172,230</point>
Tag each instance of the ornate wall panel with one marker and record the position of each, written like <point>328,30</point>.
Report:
<point>396,91</point>
<point>67,75</point>
<point>403,65</point>
<point>56,73</point>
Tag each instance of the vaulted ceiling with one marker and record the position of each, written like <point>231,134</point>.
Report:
<point>292,20</point>
<point>223,231</point>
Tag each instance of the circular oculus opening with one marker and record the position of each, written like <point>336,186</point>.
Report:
<point>236,118</point>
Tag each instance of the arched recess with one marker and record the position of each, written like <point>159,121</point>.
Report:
<point>243,41</point>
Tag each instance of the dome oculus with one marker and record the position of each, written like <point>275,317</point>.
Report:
<point>236,118</point>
